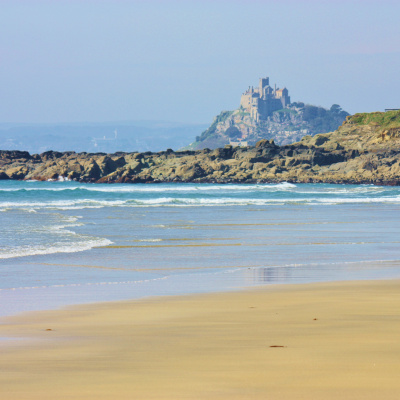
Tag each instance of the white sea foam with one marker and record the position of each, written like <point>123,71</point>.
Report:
<point>346,190</point>
<point>46,234</point>
<point>187,188</point>
<point>393,199</point>
<point>172,201</point>
<point>74,196</point>
<point>64,179</point>
<point>157,188</point>
<point>139,281</point>
<point>63,204</point>
<point>60,179</point>
<point>72,247</point>
<point>79,204</point>
<point>149,240</point>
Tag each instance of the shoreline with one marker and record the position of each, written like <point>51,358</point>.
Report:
<point>340,339</point>
<point>227,182</point>
<point>363,150</point>
<point>27,301</point>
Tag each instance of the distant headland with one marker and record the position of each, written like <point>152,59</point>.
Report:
<point>268,113</point>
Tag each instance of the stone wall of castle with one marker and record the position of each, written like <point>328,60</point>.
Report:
<point>261,102</point>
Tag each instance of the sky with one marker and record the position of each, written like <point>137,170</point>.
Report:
<point>95,61</point>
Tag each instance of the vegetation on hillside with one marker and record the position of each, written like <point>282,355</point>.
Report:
<point>222,117</point>
<point>233,132</point>
<point>385,120</point>
<point>321,120</point>
<point>284,126</point>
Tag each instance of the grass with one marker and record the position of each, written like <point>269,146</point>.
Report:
<point>386,120</point>
<point>242,113</point>
<point>223,116</point>
<point>286,111</point>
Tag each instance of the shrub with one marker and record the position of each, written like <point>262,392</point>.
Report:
<point>233,132</point>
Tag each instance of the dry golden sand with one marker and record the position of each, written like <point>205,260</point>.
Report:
<point>341,341</point>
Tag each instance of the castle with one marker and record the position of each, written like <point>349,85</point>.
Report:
<point>261,102</point>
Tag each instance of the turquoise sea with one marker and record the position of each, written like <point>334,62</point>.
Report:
<point>65,243</point>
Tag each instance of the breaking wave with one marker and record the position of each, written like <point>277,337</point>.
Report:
<point>80,204</point>
<point>72,247</point>
<point>151,188</point>
<point>28,234</point>
<point>63,196</point>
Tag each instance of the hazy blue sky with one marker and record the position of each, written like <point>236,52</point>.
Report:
<point>66,61</point>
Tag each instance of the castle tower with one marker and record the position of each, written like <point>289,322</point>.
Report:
<point>260,102</point>
<point>263,82</point>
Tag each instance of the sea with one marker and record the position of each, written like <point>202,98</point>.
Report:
<point>64,243</point>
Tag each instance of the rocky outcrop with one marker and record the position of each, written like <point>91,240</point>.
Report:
<point>365,149</point>
<point>284,126</point>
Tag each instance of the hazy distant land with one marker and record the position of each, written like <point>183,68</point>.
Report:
<point>106,137</point>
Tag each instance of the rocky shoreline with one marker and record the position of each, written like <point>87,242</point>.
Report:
<point>361,151</point>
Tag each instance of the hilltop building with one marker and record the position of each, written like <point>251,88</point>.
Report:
<point>261,102</point>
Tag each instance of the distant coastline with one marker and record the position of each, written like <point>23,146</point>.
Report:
<point>364,150</point>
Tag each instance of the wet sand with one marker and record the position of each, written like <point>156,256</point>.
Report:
<point>315,341</point>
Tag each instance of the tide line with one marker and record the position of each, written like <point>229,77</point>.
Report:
<point>84,284</point>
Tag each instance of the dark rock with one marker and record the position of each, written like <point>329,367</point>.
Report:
<point>266,143</point>
<point>50,155</point>
<point>321,158</point>
<point>14,155</point>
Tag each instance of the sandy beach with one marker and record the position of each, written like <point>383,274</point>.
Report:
<point>315,341</point>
